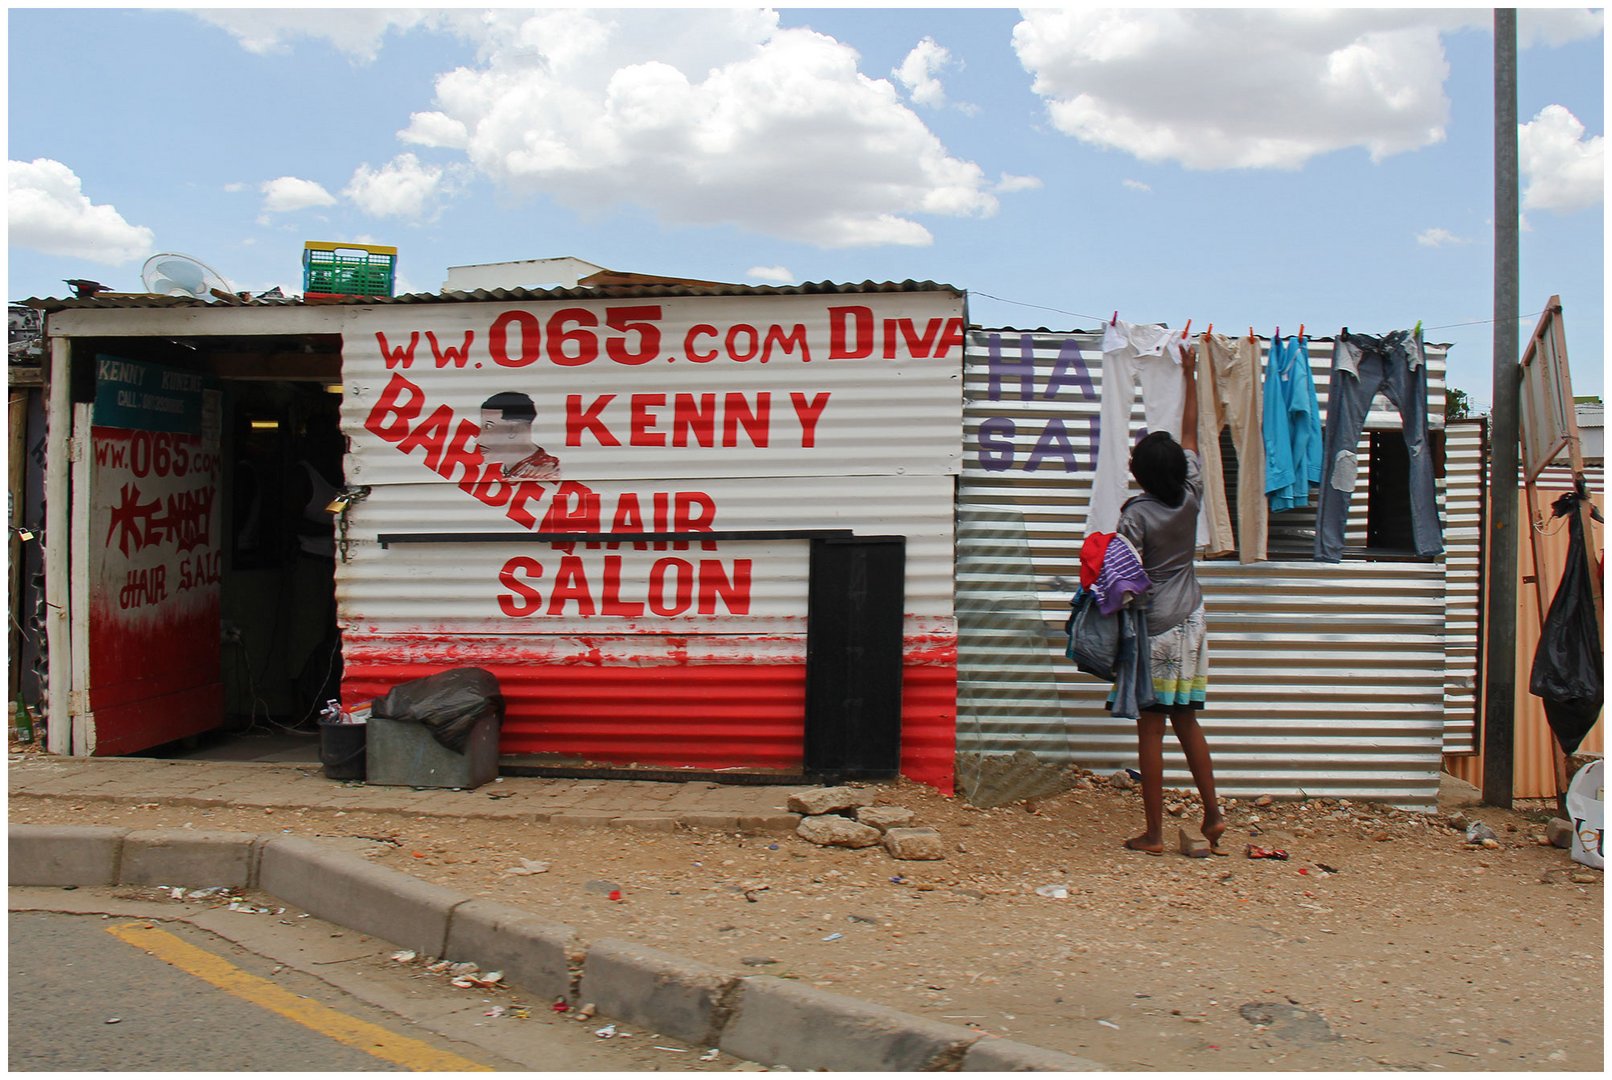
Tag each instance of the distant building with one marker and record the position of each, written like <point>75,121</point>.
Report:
<point>1591,424</point>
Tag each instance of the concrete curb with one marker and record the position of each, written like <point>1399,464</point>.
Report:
<point>759,1017</point>
<point>683,998</point>
<point>375,900</point>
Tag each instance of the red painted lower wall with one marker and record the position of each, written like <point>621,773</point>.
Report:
<point>700,715</point>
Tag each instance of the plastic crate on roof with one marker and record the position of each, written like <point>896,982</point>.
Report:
<point>343,269</point>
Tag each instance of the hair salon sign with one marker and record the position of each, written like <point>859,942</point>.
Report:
<point>643,416</point>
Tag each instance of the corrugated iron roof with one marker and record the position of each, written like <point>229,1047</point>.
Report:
<point>151,300</point>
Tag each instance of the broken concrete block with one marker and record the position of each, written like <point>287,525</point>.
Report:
<point>885,818</point>
<point>922,843</point>
<point>832,830</point>
<point>1195,845</point>
<point>829,800</point>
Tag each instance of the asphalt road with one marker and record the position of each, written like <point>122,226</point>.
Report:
<point>121,993</point>
<point>82,998</point>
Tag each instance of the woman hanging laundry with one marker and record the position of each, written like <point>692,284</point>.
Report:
<point>1162,524</point>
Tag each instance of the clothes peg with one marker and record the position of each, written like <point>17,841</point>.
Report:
<point>1301,331</point>
<point>1187,330</point>
<point>1418,330</point>
<point>1209,331</point>
<point>1115,320</point>
<point>1278,334</point>
<point>1251,337</point>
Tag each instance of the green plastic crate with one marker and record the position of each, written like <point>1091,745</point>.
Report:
<point>334,269</point>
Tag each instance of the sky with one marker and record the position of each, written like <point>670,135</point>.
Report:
<point>1242,167</point>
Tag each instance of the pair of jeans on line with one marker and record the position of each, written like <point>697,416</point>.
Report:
<point>1362,365</point>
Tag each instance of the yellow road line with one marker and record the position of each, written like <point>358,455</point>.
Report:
<point>332,1023</point>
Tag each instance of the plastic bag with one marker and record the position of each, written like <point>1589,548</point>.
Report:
<point>451,703</point>
<point>1093,636</point>
<point>1567,672</point>
<point>1586,805</point>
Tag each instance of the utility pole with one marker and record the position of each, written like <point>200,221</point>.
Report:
<point>1500,662</point>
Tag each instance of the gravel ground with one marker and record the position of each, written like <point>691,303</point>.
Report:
<point>1385,941</point>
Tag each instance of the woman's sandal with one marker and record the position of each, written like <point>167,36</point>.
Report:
<point>1131,845</point>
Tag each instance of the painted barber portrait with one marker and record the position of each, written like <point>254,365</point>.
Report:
<point>506,438</point>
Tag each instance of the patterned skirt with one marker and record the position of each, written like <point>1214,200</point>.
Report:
<point>1180,660</point>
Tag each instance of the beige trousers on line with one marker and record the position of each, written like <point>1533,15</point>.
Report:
<point>1229,394</point>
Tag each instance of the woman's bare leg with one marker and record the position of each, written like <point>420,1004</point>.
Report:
<point>1196,749</point>
<point>1150,759</point>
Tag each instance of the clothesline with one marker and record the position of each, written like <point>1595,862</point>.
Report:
<point>1101,319</point>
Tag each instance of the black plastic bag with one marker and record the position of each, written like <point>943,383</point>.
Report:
<point>451,703</point>
<point>1567,672</point>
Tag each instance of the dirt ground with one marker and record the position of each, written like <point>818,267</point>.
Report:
<point>1383,942</point>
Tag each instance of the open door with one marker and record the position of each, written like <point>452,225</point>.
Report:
<point>147,559</point>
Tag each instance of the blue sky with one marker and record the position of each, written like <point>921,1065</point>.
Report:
<point>1238,167</point>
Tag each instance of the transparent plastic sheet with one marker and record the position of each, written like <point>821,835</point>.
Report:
<point>1006,647</point>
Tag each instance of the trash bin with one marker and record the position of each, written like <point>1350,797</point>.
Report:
<point>405,754</point>
<point>341,750</point>
<point>437,731</point>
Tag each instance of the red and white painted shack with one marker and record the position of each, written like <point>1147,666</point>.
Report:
<point>687,525</point>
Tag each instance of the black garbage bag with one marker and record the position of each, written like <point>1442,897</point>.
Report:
<point>451,703</point>
<point>1567,672</point>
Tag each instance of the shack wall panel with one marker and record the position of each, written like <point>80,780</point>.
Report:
<point>648,652</point>
<point>1325,679</point>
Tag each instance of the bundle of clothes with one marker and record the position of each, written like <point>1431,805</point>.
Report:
<point>1107,628</point>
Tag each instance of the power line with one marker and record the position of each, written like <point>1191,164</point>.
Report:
<point>1099,318</point>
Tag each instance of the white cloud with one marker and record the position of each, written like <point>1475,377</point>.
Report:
<point>1137,185</point>
<point>47,211</point>
<point>285,194</point>
<point>1436,237</point>
<point>237,186</point>
<point>403,187</point>
<point>919,71</point>
<point>771,273</point>
<point>1010,183</point>
<point>358,32</point>
<point>1561,169</point>
<point>1557,26</point>
<point>1157,83</point>
<point>704,117</point>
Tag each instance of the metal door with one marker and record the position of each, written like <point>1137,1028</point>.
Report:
<point>147,557</point>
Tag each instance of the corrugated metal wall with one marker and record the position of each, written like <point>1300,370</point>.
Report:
<point>648,652</point>
<point>1326,680</point>
<point>1466,456</point>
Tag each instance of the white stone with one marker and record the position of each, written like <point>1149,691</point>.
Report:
<point>923,843</point>
<point>829,800</point>
<point>832,830</point>
<point>885,818</point>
